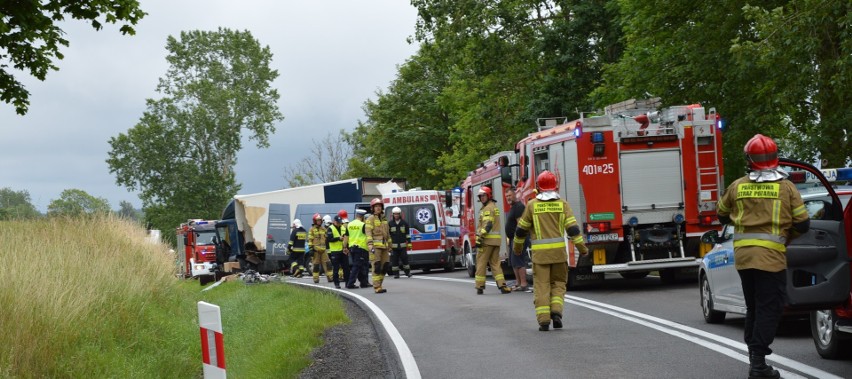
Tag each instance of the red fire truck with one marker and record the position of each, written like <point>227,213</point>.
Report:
<point>642,181</point>
<point>197,237</point>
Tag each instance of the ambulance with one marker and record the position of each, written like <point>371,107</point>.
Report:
<point>433,223</point>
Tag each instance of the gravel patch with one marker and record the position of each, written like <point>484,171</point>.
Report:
<point>352,350</point>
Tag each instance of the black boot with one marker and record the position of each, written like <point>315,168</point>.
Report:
<point>544,327</point>
<point>758,368</point>
<point>557,320</point>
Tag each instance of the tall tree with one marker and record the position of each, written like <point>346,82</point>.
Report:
<point>16,205</point>
<point>327,162</point>
<point>75,202</point>
<point>30,38</point>
<point>181,154</point>
<point>127,211</point>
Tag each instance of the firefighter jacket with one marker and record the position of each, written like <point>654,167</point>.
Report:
<point>357,238</point>
<point>489,225</point>
<point>764,215</point>
<point>334,236</point>
<point>298,238</point>
<point>377,231</point>
<point>399,234</point>
<point>316,238</point>
<point>547,221</point>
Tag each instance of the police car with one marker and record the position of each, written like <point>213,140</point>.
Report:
<point>818,274</point>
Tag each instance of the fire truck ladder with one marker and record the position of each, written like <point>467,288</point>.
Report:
<point>708,176</point>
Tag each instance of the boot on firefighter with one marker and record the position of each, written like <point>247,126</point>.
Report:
<point>400,243</point>
<point>317,244</point>
<point>547,219</point>
<point>378,238</point>
<point>296,247</point>
<point>488,243</point>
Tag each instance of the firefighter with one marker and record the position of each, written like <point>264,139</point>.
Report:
<point>336,237</point>
<point>357,245</point>
<point>488,243</point>
<point>317,244</point>
<point>546,219</point>
<point>400,243</point>
<point>376,229</point>
<point>296,247</point>
<point>767,213</point>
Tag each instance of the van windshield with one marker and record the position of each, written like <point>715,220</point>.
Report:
<point>419,216</point>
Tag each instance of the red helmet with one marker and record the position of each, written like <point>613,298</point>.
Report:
<point>485,191</point>
<point>376,201</point>
<point>317,216</point>
<point>761,152</point>
<point>343,214</point>
<point>546,181</point>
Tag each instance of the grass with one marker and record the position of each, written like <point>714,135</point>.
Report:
<point>90,298</point>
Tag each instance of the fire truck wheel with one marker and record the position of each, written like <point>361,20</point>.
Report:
<point>634,274</point>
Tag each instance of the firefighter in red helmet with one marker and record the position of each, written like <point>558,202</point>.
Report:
<point>488,243</point>
<point>378,238</point>
<point>546,219</point>
<point>317,244</point>
<point>767,212</point>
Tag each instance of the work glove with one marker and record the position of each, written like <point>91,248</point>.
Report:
<point>479,243</point>
<point>582,249</point>
<point>409,246</point>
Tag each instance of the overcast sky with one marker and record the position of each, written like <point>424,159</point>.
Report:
<point>331,56</point>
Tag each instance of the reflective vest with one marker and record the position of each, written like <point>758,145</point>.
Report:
<point>356,234</point>
<point>337,245</point>
<point>548,221</point>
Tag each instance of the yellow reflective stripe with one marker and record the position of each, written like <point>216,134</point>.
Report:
<point>523,223</point>
<point>797,211</point>
<point>479,278</point>
<point>557,300</point>
<point>570,221</point>
<point>738,216</point>
<point>518,241</point>
<point>378,277</point>
<point>499,277</point>
<point>492,236</point>
<point>542,310</point>
<point>543,246</point>
<point>776,217</point>
<point>537,227</point>
<point>578,239</point>
<point>721,207</point>
<point>763,243</point>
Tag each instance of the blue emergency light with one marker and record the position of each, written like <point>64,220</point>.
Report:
<point>597,137</point>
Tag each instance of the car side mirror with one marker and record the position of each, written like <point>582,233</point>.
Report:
<point>710,236</point>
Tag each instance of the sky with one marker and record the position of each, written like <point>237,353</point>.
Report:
<point>331,57</point>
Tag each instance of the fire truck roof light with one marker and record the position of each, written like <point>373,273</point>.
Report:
<point>597,137</point>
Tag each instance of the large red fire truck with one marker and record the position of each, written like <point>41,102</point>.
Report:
<point>642,181</point>
<point>198,239</point>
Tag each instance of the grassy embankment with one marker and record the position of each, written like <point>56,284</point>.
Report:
<point>91,298</point>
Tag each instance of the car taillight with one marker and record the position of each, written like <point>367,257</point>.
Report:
<point>706,220</point>
<point>597,227</point>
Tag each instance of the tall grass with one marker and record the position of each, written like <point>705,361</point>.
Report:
<point>90,297</point>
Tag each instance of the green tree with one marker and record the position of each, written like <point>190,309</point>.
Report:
<point>30,38</point>
<point>126,210</point>
<point>16,205</point>
<point>75,203</point>
<point>327,162</point>
<point>181,154</point>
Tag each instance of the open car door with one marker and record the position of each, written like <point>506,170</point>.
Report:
<point>818,274</point>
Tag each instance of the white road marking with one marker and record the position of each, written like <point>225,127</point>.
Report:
<point>699,336</point>
<point>405,355</point>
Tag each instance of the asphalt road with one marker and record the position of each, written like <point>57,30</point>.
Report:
<point>624,328</point>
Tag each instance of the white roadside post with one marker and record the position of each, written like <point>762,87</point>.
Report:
<point>212,344</point>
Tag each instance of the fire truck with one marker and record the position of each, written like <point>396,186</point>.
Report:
<point>434,227</point>
<point>198,238</point>
<point>642,181</point>
<point>491,173</point>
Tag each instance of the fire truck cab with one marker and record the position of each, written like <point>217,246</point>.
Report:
<point>642,182</point>
<point>198,238</point>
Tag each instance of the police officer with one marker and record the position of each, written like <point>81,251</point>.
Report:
<point>546,220</point>
<point>335,237</point>
<point>317,244</point>
<point>296,246</point>
<point>377,242</point>
<point>357,243</point>
<point>488,243</point>
<point>767,213</point>
<point>400,243</point>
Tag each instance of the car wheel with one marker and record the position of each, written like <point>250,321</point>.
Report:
<point>711,316</point>
<point>634,274</point>
<point>829,343</point>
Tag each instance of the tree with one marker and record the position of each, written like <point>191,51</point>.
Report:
<point>76,202</point>
<point>327,162</point>
<point>30,37</point>
<point>16,205</point>
<point>181,154</point>
<point>126,210</point>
